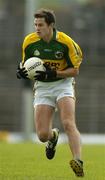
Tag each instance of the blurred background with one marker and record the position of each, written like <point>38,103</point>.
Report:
<point>84,21</point>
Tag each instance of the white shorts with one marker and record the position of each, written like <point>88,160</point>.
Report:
<point>50,92</point>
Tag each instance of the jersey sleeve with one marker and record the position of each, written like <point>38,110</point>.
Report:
<point>29,39</point>
<point>26,42</point>
<point>23,52</point>
<point>75,54</point>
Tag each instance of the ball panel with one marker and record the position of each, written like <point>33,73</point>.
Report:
<point>32,65</point>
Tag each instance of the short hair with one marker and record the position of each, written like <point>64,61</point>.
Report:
<point>47,14</point>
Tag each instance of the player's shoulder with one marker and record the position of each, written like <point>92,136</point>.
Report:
<point>63,37</point>
<point>30,38</point>
<point>67,40</point>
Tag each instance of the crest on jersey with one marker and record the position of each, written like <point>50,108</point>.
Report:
<point>36,53</point>
<point>59,54</point>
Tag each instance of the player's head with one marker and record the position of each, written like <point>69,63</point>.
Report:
<point>47,14</point>
<point>44,21</point>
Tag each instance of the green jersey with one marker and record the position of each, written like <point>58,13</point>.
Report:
<point>60,53</point>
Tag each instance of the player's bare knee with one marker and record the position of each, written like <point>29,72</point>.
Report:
<point>69,125</point>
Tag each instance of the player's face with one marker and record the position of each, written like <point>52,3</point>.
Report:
<point>42,28</point>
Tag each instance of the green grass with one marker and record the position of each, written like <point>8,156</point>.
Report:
<point>27,161</point>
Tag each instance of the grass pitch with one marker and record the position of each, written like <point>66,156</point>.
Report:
<point>27,161</point>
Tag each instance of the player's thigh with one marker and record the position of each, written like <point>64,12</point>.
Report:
<point>66,106</point>
<point>43,117</point>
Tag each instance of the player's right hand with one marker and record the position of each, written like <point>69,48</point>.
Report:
<point>21,72</point>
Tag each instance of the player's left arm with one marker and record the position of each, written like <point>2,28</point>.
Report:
<point>75,56</point>
<point>69,72</point>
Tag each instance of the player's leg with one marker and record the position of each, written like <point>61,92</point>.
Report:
<point>43,124</point>
<point>43,121</point>
<point>66,107</point>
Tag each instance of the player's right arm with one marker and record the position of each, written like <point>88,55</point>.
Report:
<point>28,41</point>
<point>21,72</point>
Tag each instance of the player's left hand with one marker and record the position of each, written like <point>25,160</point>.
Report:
<point>48,74</point>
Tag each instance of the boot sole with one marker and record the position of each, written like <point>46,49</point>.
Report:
<point>77,168</point>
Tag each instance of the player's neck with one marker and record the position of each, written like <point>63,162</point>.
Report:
<point>48,37</point>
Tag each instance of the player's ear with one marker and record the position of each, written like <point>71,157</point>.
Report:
<point>52,25</point>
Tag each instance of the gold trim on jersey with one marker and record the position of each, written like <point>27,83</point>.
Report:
<point>31,38</point>
<point>75,52</point>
